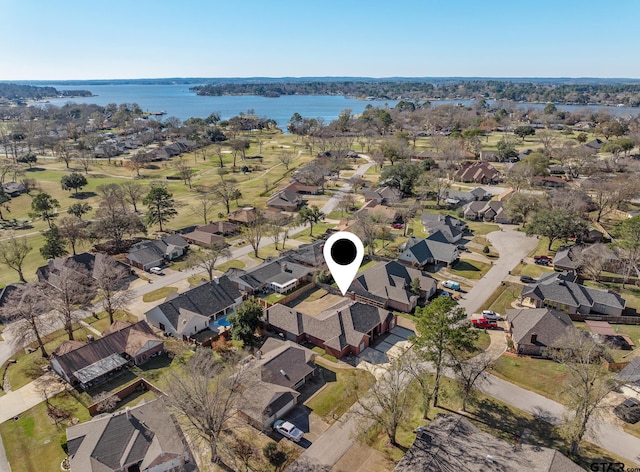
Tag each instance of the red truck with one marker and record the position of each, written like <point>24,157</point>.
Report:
<point>483,323</point>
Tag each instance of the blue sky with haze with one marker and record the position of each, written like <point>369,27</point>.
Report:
<point>72,39</point>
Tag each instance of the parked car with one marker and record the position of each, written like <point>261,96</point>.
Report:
<point>451,284</point>
<point>288,430</point>
<point>542,260</point>
<point>156,270</point>
<point>491,315</point>
<point>397,226</point>
<point>462,248</point>
<point>483,323</point>
<point>527,280</point>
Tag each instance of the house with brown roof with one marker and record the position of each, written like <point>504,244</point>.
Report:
<point>347,327</point>
<point>286,200</point>
<point>534,330</point>
<point>94,362</point>
<point>385,213</point>
<point>383,195</point>
<point>277,275</point>
<point>143,438</point>
<point>303,189</point>
<point>211,234</point>
<point>487,211</point>
<point>477,172</point>
<point>154,253</point>
<point>243,216</point>
<point>273,381</point>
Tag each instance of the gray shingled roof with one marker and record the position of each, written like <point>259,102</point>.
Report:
<point>107,443</point>
<point>270,271</point>
<point>206,299</point>
<point>453,443</point>
<point>293,361</point>
<point>428,248</point>
<point>389,280</point>
<point>549,326</point>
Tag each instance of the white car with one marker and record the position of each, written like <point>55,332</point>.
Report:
<point>288,430</point>
<point>156,270</point>
<point>491,315</point>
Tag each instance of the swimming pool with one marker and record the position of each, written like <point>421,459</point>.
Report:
<point>224,322</point>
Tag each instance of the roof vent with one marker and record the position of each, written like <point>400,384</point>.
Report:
<point>284,374</point>
<point>127,411</point>
<point>490,459</point>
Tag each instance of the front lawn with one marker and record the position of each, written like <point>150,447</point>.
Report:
<point>503,298</point>
<point>337,396</point>
<point>159,294</point>
<point>470,269</point>
<point>233,264</point>
<point>478,227</point>
<point>101,320</point>
<point>532,270</point>
<point>33,443</point>
<point>538,375</point>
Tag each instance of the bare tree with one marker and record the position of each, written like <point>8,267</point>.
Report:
<point>133,193</point>
<point>225,190</point>
<point>347,203</point>
<point>73,229</point>
<point>419,372</point>
<point>13,252</point>
<point>208,257</point>
<point>433,184</point>
<point>138,161</point>
<point>67,289</point>
<point>105,401</point>
<point>469,373</point>
<point>204,394</point>
<point>184,171</point>
<point>86,159</point>
<point>386,403</point>
<point>24,305</point>
<point>254,230</point>
<point>110,281</point>
<point>218,149</point>
<point>286,158</point>
<point>587,385</point>
<point>278,227</point>
<point>205,203</point>
<point>593,260</point>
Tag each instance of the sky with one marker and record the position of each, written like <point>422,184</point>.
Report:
<point>73,39</point>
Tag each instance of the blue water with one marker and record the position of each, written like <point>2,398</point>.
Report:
<point>222,322</point>
<point>178,101</point>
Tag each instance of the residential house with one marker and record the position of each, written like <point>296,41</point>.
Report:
<point>452,228</point>
<point>143,438</point>
<point>534,330</point>
<point>89,262</point>
<point>286,200</point>
<point>196,310</point>
<point>383,195</point>
<point>308,254</point>
<point>14,189</point>
<point>277,275</point>
<point>477,172</point>
<point>570,258</point>
<point>422,155</point>
<point>387,285</point>
<point>487,211</point>
<point>303,189</point>
<point>458,197</point>
<point>451,442</point>
<point>346,328</point>
<point>550,181</point>
<point>95,362</point>
<point>630,377</point>
<point>603,332</point>
<point>210,234</point>
<point>594,235</point>
<point>384,213</point>
<point>154,253</point>
<point>595,145</point>
<point>5,292</point>
<point>243,216</point>
<point>560,291</point>
<point>279,370</point>
<point>434,249</point>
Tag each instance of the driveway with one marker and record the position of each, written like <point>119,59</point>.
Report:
<point>513,246</point>
<point>386,347</point>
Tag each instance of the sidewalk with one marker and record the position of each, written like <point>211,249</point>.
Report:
<point>18,401</point>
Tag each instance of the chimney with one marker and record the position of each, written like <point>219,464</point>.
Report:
<point>284,267</point>
<point>259,355</point>
<point>90,337</point>
<point>284,374</point>
<point>534,338</point>
<point>216,280</point>
<point>127,411</point>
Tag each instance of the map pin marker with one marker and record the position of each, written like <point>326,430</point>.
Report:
<point>343,253</point>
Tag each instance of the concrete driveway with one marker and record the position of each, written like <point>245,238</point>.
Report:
<point>386,348</point>
<point>513,246</point>
<point>308,422</point>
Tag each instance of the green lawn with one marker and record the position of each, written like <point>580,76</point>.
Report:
<point>195,280</point>
<point>101,320</point>
<point>538,375</point>
<point>235,264</point>
<point>470,269</point>
<point>502,298</point>
<point>479,227</point>
<point>318,230</point>
<point>532,270</point>
<point>33,443</point>
<point>337,396</point>
<point>159,294</point>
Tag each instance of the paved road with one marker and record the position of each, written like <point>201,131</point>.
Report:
<point>512,246</point>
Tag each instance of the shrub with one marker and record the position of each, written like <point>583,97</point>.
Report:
<point>485,250</point>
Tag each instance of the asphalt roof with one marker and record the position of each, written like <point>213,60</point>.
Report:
<point>549,326</point>
<point>271,270</point>
<point>206,299</point>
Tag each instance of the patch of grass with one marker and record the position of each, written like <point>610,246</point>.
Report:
<point>195,280</point>
<point>33,432</point>
<point>337,396</point>
<point>542,250</point>
<point>479,227</point>
<point>483,341</point>
<point>532,270</point>
<point>538,375</point>
<point>234,264</point>
<point>366,265</point>
<point>159,294</point>
<point>264,252</point>
<point>470,269</point>
<point>102,322</point>
<point>318,230</point>
<point>502,298</point>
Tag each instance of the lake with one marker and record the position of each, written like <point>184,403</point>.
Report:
<point>177,100</point>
